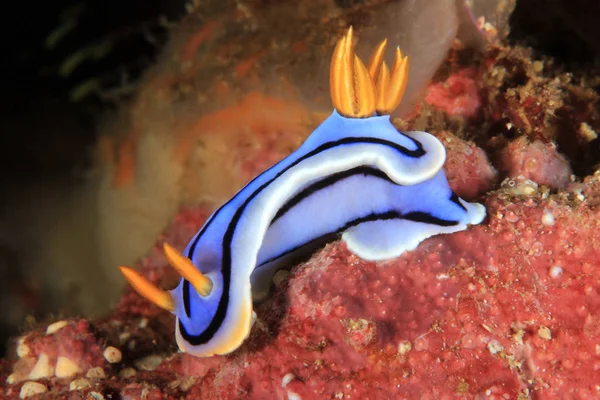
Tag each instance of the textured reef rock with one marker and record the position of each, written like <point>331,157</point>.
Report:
<point>506,309</point>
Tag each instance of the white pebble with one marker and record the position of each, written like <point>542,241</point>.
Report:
<point>187,383</point>
<point>293,396</point>
<point>112,354</point>
<point>23,350</point>
<point>556,271</point>
<point>127,373</point>
<point>149,363</point>
<point>587,132</point>
<point>404,347</point>
<point>124,337</point>
<point>31,389</point>
<point>55,327</point>
<point>545,333</point>
<point>442,276</point>
<point>79,384</point>
<point>287,378</point>
<point>495,347</point>
<point>42,368</point>
<point>96,373</point>
<point>12,378</point>
<point>21,369</point>
<point>66,368</point>
<point>547,218</point>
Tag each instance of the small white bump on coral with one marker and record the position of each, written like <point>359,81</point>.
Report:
<point>556,271</point>
<point>96,373</point>
<point>31,389</point>
<point>545,333</point>
<point>547,218</point>
<point>97,396</point>
<point>112,355</point>
<point>21,370</point>
<point>55,327</point>
<point>587,132</point>
<point>66,368</point>
<point>124,337</point>
<point>149,363</point>
<point>79,384</point>
<point>42,368</point>
<point>127,373</point>
<point>495,347</point>
<point>287,378</point>
<point>293,396</point>
<point>23,350</point>
<point>404,347</point>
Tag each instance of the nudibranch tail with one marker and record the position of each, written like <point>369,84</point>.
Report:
<point>188,270</point>
<point>146,289</point>
<point>358,91</point>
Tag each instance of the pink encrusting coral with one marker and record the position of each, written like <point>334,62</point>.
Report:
<point>509,308</point>
<point>467,167</point>
<point>539,162</point>
<point>458,95</point>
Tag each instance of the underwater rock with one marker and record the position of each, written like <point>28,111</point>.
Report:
<point>467,167</point>
<point>506,308</point>
<point>540,99</point>
<point>539,162</point>
<point>458,95</point>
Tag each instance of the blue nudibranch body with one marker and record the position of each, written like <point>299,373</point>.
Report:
<point>356,175</point>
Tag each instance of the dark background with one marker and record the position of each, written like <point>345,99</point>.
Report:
<point>47,134</point>
<point>42,129</point>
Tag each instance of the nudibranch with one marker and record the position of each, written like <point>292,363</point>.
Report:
<point>356,175</point>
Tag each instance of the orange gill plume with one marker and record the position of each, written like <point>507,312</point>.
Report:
<point>163,298</point>
<point>358,91</point>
